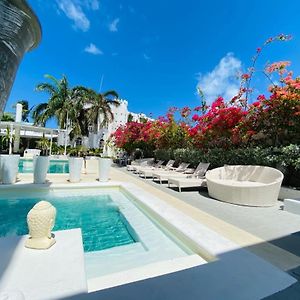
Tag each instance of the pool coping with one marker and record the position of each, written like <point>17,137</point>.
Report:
<point>250,271</point>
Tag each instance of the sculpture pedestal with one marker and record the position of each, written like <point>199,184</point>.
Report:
<point>50,274</point>
<point>40,244</point>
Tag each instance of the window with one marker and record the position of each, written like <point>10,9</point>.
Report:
<point>78,141</point>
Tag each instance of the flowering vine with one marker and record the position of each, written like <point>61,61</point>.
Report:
<point>272,119</point>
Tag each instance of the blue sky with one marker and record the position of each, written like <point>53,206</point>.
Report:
<point>155,53</point>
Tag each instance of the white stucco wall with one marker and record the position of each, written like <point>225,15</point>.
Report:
<point>120,113</point>
<point>120,117</point>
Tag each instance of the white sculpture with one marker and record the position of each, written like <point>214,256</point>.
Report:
<point>41,220</point>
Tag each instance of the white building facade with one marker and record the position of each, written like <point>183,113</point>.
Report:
<point>26,130</point>
<point>120,114</point>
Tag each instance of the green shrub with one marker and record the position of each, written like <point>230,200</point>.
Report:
<point>193,156</point>
<point>164,154</point>
<point>290,156</point>
<point>286,159</point>
<point>218,157</point>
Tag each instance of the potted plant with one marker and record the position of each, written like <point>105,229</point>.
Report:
<point>75,163</point>
<point>91,161</point>
<point>9,163</point>
<point>9,167</point>
<point>105,161</point>
<point>104,165</point>
<point>41,162</point>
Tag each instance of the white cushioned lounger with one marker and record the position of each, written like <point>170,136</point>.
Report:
<point>164,175</point>
<point>186,182</point>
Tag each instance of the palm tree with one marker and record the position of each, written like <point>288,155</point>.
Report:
<point>99,111</point>
<point>63,104</point>
<point>57,105</point>
<point>78,114</point>
<point>25,110</point>
<point>78,107</point>
<point>7,140</point>
<point>7,117</point>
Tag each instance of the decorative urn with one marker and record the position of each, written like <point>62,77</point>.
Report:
<point>41,220</point>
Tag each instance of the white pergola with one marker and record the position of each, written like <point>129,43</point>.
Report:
<point>30,131</point>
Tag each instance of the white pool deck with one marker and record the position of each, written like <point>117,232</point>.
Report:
<point>50,274</point>
<point>232,273</point>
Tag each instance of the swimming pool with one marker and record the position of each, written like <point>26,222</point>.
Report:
<point>55,166</point>
<point>117,235</point>
<point>103,225</point>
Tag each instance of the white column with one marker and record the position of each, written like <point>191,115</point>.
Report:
<point>18,119</point>
<point>66,133</point>
<point>51,143</point>
<point>65,152</point>
<point>10,138</point>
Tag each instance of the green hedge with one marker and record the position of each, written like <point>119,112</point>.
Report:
<point>164,154</point>
<point>218,157</point>
<point>286,159</point>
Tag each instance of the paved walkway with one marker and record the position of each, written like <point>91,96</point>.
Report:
<point>270,232</point>
<point>271,224</point>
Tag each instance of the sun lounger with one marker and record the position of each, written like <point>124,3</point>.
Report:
<point>141,162</point>
<point>163,175</point>
<point>147,172</point>
<point>198,172</point>
<point>137,169</point>
<point>187,182</point>
<point>192,180</point>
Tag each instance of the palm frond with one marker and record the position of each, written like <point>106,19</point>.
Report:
<point>110,93</point>
<point>46,87</point>
<point>39,109</point>
<point>52,78</point>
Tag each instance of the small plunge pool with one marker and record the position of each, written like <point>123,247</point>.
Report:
<point>99,218</point>
<point>117,234</point>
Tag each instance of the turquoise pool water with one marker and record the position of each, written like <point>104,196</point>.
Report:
<point>118,234</point>
<point>103,225</point>
<point>55,166</point>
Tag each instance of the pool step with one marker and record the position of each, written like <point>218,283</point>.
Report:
<point>144,272</point>
<point>126,257</point>
<point>111,260</point>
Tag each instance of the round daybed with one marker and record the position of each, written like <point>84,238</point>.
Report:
<point>245,185</point>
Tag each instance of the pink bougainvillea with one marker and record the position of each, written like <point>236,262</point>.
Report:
<point>273,118</point>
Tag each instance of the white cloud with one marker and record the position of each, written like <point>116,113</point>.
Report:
<point>73,11</point>
<point>222,80</point>
<point>113,26</point>
<point>92,49</point>
<point>146,57</point>
<point>92,4</point>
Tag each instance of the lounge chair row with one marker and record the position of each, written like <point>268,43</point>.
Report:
<point>182,176</point>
